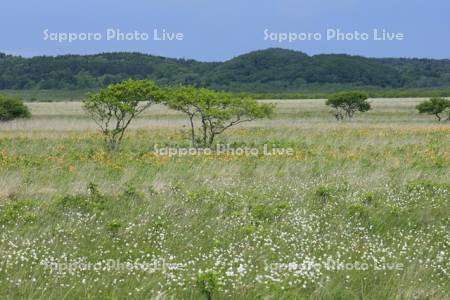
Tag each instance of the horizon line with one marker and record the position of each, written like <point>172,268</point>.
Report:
<point>11,53</point>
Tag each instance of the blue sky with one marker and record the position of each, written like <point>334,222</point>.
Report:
<point>219,30</point>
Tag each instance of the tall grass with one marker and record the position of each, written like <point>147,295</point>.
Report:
<point>360,211</point>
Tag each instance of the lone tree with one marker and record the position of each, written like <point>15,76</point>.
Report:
<point>12,108</point>
<point>210,113</point>
<point>435,106</point>
<point>114,108</point>
<point>347,104</point>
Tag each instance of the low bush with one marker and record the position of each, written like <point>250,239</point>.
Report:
<point>12,108</point>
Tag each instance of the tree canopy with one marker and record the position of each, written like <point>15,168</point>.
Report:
<point>210,113</point>
<point>346,104</point>
<point>114,108</point>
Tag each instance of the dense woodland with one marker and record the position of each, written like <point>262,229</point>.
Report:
<point>271,70</point>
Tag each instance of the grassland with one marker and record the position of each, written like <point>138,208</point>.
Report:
<point>311,92</point>
<point>360,211</point>
<point>47,95</point>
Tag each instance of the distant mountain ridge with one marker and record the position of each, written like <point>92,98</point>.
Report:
<point>270,70</point>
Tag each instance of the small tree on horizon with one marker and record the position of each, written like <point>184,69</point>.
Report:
<point>115,107</point>
<point>347,104</point>
<point>435,106</point>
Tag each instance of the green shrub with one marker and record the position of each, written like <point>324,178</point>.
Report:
<point>247,230</point>
<point>114,226</point>
<point>132,194</point>
<point>95,201</point>
<point>358,211</point>
<point>371,199</point>
<point>207,284</point>
<point>12,108</point>
<point>324,194</point>
<point>16,210</point>
<point>267,212</point>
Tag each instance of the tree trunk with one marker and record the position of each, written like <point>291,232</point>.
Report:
<point>211,139</point>
<point>438,117</point>
<point>191,119</point>
<point>205,132</point>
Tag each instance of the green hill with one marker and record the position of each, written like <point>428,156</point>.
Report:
<point>270,70</point>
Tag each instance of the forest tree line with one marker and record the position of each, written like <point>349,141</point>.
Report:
<point>265,71</point>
